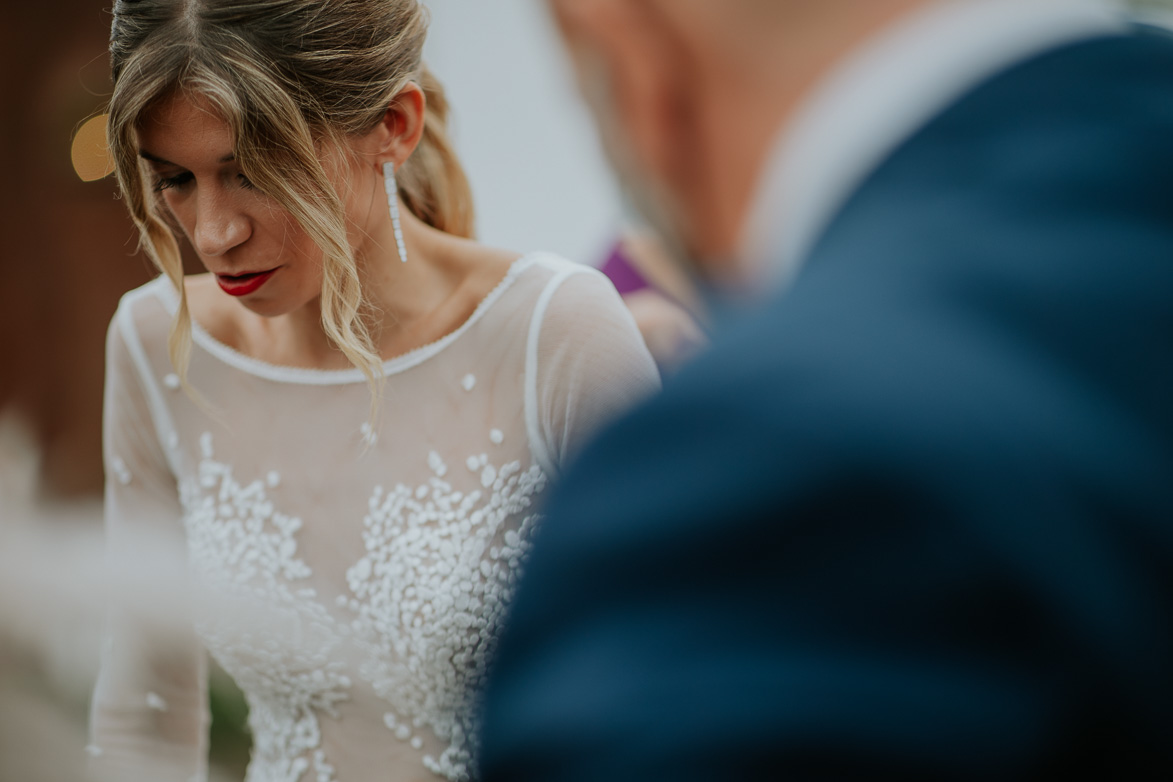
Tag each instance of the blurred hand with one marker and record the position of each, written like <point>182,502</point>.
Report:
<point>671,334</point>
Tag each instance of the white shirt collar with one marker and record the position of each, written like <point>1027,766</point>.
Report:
<point>879,97</point>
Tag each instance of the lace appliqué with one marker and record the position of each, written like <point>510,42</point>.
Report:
<point>430,597</point>
<point>240,546</point>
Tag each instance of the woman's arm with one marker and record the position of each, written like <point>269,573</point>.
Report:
<point>587,364</point>
<point>149,711</point>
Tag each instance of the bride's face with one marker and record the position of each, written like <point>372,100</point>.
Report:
<point>255,249</point>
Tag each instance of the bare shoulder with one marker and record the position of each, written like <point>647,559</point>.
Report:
<point>486,266</point>
<point>478,268</point>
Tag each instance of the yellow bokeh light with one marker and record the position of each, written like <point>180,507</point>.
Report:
<point>91,153</point>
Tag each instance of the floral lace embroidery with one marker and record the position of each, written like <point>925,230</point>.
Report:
<point>430,595</point>
<point>242,547</point>
<point>428,600</point>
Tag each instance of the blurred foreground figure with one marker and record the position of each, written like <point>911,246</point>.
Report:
<point>39,742</point>
<point>55,581</point>
<point>911,516</point>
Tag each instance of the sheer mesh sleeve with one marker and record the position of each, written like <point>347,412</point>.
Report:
<point>586,364</point>
<point>149,711</point>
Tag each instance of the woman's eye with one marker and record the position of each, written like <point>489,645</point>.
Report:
<point>181,180</point>
<point>167,183</point>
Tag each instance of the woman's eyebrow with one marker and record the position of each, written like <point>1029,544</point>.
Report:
<point>231,156</point>
<point>148,156</point>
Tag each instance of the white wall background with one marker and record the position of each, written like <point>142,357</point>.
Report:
<point>527,142</point>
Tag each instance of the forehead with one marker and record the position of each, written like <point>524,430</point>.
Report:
<point>186,123</point>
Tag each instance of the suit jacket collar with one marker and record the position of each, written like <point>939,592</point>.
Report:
<point>879,97</point>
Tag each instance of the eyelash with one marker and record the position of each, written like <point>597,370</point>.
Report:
<point>166,183</point>
<point>179,180</point>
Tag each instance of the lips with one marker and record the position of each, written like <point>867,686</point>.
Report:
<point>243,284</point>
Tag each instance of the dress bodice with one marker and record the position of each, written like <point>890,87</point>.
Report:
<point>368,563</point>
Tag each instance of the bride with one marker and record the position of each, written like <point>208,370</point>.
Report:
<point>350,419</point>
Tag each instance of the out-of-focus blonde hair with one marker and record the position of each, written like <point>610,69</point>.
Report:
<point>294,80</point>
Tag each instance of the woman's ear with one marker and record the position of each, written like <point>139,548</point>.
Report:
<point>399,132</point>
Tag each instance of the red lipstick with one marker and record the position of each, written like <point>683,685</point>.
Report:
<point>243,284</point>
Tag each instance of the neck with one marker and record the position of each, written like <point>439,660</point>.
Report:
<point>401,293</point>
<point>756,82</point>
<point>399,297</point>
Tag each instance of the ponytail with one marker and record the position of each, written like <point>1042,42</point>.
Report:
<point>432,183</point>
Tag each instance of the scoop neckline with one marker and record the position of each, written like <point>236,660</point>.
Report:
<point>326,377</point>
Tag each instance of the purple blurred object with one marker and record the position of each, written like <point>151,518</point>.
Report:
<point>623,275</point>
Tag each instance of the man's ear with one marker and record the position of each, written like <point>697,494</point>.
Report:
<point>399,132</point>
<point>628,64</point>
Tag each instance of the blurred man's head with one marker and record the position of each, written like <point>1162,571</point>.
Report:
<point>690,94</point>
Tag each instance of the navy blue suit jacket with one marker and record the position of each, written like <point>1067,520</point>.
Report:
<point>913,520</point>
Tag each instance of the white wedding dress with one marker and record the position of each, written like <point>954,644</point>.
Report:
<point>383,558</point>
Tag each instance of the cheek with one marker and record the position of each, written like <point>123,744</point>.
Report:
<point>363,206</point>
<point>302,251</point>
<point>172,207</point>
<point>285,235</point>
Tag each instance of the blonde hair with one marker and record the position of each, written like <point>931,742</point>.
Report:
<point>294,80</point>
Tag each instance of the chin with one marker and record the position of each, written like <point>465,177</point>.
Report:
<point>274,301</point>
<point>268,308</point>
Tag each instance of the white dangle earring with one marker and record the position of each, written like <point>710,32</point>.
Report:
<point>393,201</point>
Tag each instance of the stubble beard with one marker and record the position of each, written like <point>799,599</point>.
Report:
<point>649,202</point>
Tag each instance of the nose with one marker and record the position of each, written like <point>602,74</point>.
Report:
<point>219,226</point>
